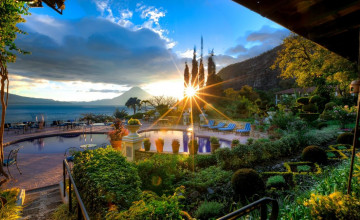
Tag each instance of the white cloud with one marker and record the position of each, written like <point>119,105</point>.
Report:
<point>186,54</point>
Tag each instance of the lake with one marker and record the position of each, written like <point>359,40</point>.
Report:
<point>20,113</point>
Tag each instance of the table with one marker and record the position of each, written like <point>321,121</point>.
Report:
<point>23,126</point>
<point>88,146</point>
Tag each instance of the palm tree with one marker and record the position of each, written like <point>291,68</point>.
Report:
<point>145,102</point>
<point>133,103</point>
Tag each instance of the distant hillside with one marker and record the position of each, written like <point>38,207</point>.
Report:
<point>254,72</point>
<point>121,100</point>
<point>17,100</point>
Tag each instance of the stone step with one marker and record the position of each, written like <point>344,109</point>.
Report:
<point>40,203</point>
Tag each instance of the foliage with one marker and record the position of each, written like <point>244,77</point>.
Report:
<point>244,108</point>
<point>160,141</point>
<point>283,120</point>
<point>97,118</point>
<point>275,181</point>
<point>309,117</point>
<point>321,125</point>
<point>303,168</point>
<point>186,75</point>
<point>10,210</point>
<point>138,115</point>
<point>345,138</point>
<point>343,115</point>
<point>248,92</point>
<point>147,144</point>
<point>330,105</point>
<point>312,108</point>
<point>160,173</point>
<point>330,154</point>
<point>247,182</point>
<point>103,177</point>
<point>175,142</point>
<point>213,83</point>
<point>193,146</point>
<point>133,103</point>
<point>208,177</point>
<point>120,114</point>
<point>197,162</point>
<point>314,154</point>
<point>303,100</point>
<point>62,213</point>
<point>134,122</point>
<point>119,131</point>
<point>194,70</point>
<point>209,210</point>
<point>214,140</point>
<point>250,141</point>
<point>162,103</point>
<point>152,206</point>
<point>334,206</point>
<point>235,142</point>
<point>315,99</point>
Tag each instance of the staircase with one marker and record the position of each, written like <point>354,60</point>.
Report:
<point>40,203</point>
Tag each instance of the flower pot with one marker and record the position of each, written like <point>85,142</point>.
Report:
<point>193,149</point>
<point>214,147</point>
<point>159,146</point>
<point>175,147</point>
<point>147,147</point>
<point>116,145</point>
<point>133,130</point>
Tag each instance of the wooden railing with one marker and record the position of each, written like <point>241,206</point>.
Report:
<point>80,204</point>
<point>259,204</point>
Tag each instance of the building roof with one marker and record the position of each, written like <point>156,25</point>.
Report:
<point>332,24</point>
<point>296,90</point>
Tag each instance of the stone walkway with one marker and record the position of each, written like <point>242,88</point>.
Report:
<point>40,170</point>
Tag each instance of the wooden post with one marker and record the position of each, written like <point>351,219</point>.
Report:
<point>356,135</point>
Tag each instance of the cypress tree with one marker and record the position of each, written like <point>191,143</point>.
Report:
<point>186,76</point>
<point>194,71</point>
<point>213,78</point>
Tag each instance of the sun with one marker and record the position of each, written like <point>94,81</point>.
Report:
<point>190,91</point>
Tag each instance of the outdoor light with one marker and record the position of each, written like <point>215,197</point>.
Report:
<point>355,87</point>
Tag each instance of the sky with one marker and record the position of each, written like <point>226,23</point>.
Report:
<point>100,48</point>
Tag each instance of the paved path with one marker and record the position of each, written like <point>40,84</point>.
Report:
<point>41,170</point>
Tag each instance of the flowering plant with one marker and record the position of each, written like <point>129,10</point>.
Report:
<point>343,115</point>
<point>119,131</point>
<point>134,122</point>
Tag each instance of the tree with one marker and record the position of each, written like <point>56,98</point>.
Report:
<point>186,76</point>
<point>157,101</point>
<point>313,65</point>
<point>201,74</point>
<point>194,71</point>
<point>120,114</point>
<point>213,83</point>
<point>248,92</point>
<point>133,103</point>
<point>10,15</point>
<point>145,102</point>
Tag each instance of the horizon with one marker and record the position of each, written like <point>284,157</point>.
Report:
<point>135,44</point>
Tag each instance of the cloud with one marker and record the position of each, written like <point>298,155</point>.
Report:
<point>108,53</point>
<point>237,49</point>
<point>106,90</point>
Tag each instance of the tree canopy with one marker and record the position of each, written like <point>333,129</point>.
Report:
<point>133,103</point>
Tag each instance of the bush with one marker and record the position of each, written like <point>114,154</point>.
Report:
<point>309,117</point>
<point>193,147</point>
<point>330,106</point>
<point>312,108</point>
<point>247,182</point>
<point>345,138</point>
<point>303,100</point>
<point>138,115</point>
<point>321,125</point>
<point>198,162</point>
<point>303,168</point>
<point>315,99</point>
<point>214,140</point>
<point>104,177</point>
<point>314,154</point>
<point>209,210</point>
<point>283,120</point>
<point>10,210</point>
<point>276,181</point>
<point>153,207</point>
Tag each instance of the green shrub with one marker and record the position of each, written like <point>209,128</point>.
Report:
<point>214,140</point>
<point>134,121</point>
<point>330,155</point>
<point>10,210</point>
<point>247,182</point>
<point>303,100</point>
<point>309,117</point>
<point>104,177</point>
<point>198,162</point>
<point>330,106</point>
<point>159,173</point>
<point>235,142</point>
<point>193,147</point>
<point>321,125</point>
<point>138,115</point>
<point>209,210</point>
<point>312,108</point>
<point>250,141</point>
<point>276,181</point>
<point>341,148</point>
<point>315,99</point>
<point>283,120</point>
<point>303,168</point>
<point>345,138</point>
<point>314,154</point>
<point>153,207</point>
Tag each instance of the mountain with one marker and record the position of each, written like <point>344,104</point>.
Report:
<point>254,72</point>
<point>121,100</point>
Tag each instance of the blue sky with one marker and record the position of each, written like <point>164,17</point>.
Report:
<point>100,48</point>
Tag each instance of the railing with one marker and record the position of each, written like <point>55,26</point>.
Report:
<point>80,204</point>
<point>259,204</point>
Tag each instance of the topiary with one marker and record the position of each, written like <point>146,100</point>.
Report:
<point>321,125</point>
<point>209,210</point>
<point>345,138</point>
<point>314,154</point>
<point>246,183</point>
<point>303,100</point>
<point>312,108</point>
<point>315,99</point>
<point>330,105</point>
<point>309,117</point>
<point>276,181</point>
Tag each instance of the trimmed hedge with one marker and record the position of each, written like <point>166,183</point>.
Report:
<point>104,178</point>
<point>303,100</point>
<point>314,154</point>
<point>315,99</point>
<point>312,108</point>
<point>345,138</point>
<point>246,183</point>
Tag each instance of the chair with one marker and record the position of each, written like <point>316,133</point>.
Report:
<point>12,159</point>
<point>210,123</point>
<point>69,153</point>
<point>230,127</point>
<point>246,130</point>
<point>220,125</point>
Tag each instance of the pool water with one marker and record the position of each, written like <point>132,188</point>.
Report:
<point>59,144</point>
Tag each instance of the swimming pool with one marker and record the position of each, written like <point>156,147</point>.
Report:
<point>59,143</point>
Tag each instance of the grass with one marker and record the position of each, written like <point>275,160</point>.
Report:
<point>303,168</point>
<point>10,210</point>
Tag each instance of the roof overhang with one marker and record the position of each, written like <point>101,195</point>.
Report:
<point>332,24</point>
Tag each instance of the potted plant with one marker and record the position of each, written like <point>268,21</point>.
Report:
<point>159,145</point>
<point>133,125</point>
<point>117,134</point>
<point>234,143</point>
<point>214,144</point>
<point>147,144</point>
<point>193,147</point>
<point>175,146</point>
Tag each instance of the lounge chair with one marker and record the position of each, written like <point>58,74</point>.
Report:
<point>230,127</point>
<point>210,123</point>
<point>12,159</point>
<point>246,130</point>
<point>220,125</point>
